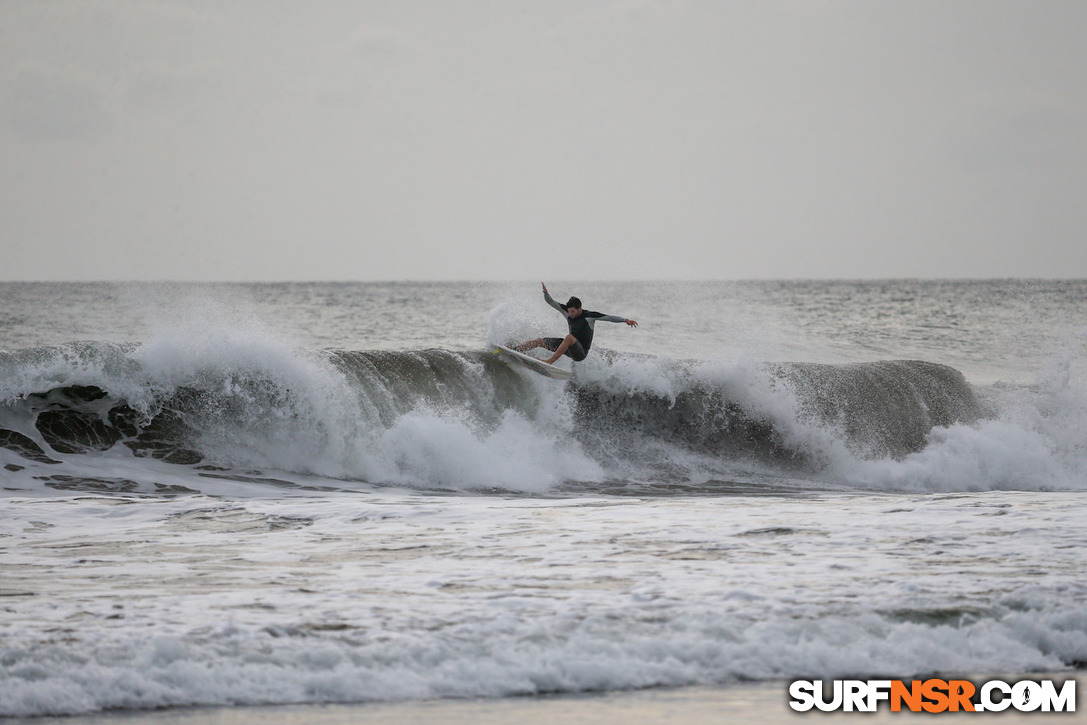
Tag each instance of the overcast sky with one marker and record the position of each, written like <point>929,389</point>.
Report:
<point>257,140</point>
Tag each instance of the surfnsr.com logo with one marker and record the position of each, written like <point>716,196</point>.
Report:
<point>933,695</point>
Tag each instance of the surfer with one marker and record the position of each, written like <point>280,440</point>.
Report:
<point>576,344</point>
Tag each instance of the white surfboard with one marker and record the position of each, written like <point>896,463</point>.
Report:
<point>534,364</point>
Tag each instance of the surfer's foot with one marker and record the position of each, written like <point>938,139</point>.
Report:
<point>551,360</point>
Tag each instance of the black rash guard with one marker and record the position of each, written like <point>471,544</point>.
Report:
<point>581,327</point>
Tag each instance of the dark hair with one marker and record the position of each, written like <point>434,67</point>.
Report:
<point>573,302</point>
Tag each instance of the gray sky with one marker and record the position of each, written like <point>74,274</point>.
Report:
<point>256,140</point>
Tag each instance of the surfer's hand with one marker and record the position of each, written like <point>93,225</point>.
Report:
<point>544,287</point>
<point>632,323</point>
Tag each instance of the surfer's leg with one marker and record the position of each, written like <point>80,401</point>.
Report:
<point>562,348</point>
<point>526,346</point>
<point>550,343</point>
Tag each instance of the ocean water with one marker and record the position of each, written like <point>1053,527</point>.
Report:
<point>309,493</point>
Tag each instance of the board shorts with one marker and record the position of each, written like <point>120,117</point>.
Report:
<point>575,351</point>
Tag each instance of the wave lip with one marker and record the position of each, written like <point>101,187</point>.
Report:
<point>883,409</point>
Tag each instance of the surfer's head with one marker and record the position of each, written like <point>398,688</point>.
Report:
<point>573,307</point>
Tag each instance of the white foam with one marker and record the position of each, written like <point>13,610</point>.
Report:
<point>349,598</point>
<point>434,449</point>
<point>1036,442</point>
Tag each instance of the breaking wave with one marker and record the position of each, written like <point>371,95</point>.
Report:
<point>464,420</point>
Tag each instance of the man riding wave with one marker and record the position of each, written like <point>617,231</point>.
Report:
<point>577,343</point>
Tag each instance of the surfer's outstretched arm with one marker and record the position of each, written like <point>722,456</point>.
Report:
<point>608,318</point>
<point>549,300</point>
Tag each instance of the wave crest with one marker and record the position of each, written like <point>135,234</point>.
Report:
<point>463,420</point>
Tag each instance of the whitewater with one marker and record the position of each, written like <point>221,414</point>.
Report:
<point>314,493</point>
